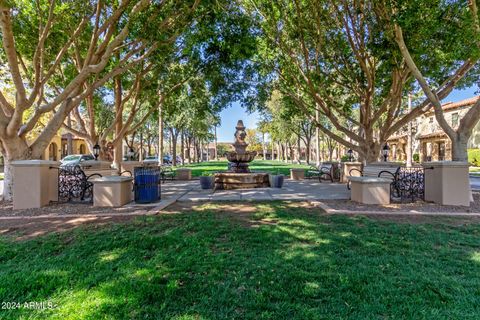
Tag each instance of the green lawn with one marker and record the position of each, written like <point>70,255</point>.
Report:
<point>275,167</point>
<point>279,262</point>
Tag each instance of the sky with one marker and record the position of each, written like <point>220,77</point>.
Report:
<point>235,112</point>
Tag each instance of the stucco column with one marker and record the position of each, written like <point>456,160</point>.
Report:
<point>35,183</point>
<point>447,183</point>
<point>347,167</point>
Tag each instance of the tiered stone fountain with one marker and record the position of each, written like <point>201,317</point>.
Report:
<point>238,175</point>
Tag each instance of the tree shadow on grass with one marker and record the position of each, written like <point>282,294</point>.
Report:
<point>206,265</point>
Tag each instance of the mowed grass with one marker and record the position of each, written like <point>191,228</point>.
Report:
<point>274,167</point>
<point>280,261</point>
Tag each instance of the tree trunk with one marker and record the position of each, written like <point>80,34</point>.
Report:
<point>370,152</point>
<point>317,138</point>
<point>307,151</point>
<point>264,147</point>
<point>160,134</point>
<point>409,135</point>
<point>195,150</point>
<point>16,149</point>
<point>140,153</point>
<point>173,139</point>
<point>216,150</point>
<point>118,150</point>
<point>299,151</point>
<point>69,137</point>
<point>189,146</point>
<point>182,147</point>
<point>459,148</point>
<point>273,149</point>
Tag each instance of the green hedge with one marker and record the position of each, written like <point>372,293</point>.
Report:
<point>474,157</point>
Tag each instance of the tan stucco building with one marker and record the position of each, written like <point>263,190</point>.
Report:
<point>58,147</point>
<point>429,140</point>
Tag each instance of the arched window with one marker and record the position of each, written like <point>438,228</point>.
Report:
<point>52,151</point>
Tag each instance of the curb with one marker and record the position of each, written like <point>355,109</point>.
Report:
<point>332,211</point>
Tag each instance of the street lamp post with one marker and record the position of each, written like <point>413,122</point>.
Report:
<point>96,151</point>
<point>130,154</point>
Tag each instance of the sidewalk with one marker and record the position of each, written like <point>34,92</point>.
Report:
<point>304,190</point>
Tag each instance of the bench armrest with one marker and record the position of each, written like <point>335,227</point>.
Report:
<point>353,170</point>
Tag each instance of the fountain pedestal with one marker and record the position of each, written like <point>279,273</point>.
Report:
<point>233,180</point>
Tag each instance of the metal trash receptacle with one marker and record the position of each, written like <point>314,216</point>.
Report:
<point>147,184</point>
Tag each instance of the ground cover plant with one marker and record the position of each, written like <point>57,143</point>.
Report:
<point>277,260</point>
<point>274,167</point>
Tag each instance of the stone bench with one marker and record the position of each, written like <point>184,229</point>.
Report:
<point>375,170</point>
<point>112,191</point>
<point>370,190</point>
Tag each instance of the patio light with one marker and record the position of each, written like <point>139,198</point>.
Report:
<point>385,152</point>
<point>96,151</point>
<point>350,155</point>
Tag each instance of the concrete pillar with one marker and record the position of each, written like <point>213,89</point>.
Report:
<point>184,174</point>
<point>370,190</point>
<point>130,165</point>
<point>112,191</point>
<point>297,174</point>
<point>35,183</point>
<point>347,166</point>
<point>447,183</point>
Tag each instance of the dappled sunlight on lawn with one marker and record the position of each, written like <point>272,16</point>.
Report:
<point>476,256</point>
<point>208,262</point>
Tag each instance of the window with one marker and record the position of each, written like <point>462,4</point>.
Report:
<point>430,120</point>
<point>455,119</point>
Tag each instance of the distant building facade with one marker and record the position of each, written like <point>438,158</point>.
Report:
<point>429,141</point>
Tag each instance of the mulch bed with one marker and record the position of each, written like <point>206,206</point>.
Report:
<point>64,209</point>
<point>418,206</point>
<point>24,229</point>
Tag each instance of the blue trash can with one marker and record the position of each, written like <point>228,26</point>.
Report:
<point>147,184</point>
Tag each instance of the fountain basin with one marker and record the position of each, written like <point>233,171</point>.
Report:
<point>233,180</point>
<point>248,156</point>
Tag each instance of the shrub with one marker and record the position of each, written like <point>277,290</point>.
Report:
<point>416,157</point>
<point>474,157</point>
<point>346,158</point>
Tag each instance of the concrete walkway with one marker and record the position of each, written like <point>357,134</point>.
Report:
<point>292,190</point>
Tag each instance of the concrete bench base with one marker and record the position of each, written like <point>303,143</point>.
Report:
<point>369,190</point>
<point>112,191</point>
<point>297,174</point>
<point>184,174</point>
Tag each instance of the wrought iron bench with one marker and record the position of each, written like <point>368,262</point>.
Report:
<point>74,184</point>
<point>167,173</point>
<point>407,183</point>
<point>326,171</point>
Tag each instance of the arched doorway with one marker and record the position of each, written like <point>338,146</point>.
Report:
<point>83,149</point>
<point>52,151</point>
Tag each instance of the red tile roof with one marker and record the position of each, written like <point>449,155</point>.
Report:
<point>465,102</point>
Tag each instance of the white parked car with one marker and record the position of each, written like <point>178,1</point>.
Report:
<point>150,159</point>
<point>75,159</point>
